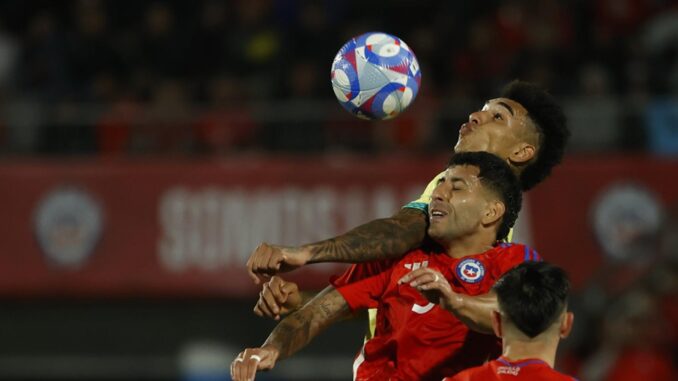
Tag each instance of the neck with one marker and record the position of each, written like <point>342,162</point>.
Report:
<point>469,245</point>
<point>516,350</point>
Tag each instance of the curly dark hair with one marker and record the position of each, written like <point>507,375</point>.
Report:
<point>551,124</point>
<point>496,175</point>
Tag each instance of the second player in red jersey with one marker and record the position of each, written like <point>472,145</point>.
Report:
<point>502,369</point>
<point>531,319</point>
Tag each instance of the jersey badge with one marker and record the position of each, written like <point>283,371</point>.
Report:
<point>470,270</point>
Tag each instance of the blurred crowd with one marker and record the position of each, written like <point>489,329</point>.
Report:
<point>207,77</point>
<point>215,77</point>
<point>626,319</point>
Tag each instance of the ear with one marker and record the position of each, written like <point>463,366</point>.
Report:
<point>522,153</point>
<point>494,212</point>
<point>566,325</point>
<point>496,324</point>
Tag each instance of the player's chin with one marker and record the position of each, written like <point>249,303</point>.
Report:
<point>435,230</point>
<point>464,145</point>
<point>471,143</point>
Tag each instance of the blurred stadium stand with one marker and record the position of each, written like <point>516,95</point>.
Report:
<point>141,117</point>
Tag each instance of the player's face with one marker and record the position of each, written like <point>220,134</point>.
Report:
<point>502,128</point>
<point>457,204</point>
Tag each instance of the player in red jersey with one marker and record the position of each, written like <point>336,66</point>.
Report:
<point>531,320</point>
<point>473,206</point>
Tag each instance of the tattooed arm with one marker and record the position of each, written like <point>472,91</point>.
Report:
<point>293,333</point>
<point>297,330</point>
<point>379,239</point>
<point>375,240</point>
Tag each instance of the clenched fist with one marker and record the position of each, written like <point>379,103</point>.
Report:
<point>268,260</point>
<point>277,297</point>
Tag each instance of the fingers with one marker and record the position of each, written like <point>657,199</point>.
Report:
<point>262,308</point>
<point>274,297</point>
<point>264,261</point>
<point>288,288</point>
<point>252,366</point>
<point>238,368</point>
<point>421,276</point>
<point>245,366</point>
<point>259,311</point>
<point>251,264</point>
<point>409,277</point>
<point>281,289</point>
<point>273,262</point>
<point>269,302</point>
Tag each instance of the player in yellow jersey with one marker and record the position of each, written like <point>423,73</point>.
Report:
<point>524,126</point>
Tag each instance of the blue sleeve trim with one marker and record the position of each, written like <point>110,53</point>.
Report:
<point>527,254</point>
<point>418,205</point>
<point>537,257</point>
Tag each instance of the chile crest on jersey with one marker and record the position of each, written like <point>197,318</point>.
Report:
<point>470,270</point>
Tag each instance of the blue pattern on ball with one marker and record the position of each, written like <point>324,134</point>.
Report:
<point>377,109</point>
<point>374,77</point>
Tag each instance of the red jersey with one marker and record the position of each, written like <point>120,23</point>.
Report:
<point>502,369</point>
<point>416,339</point>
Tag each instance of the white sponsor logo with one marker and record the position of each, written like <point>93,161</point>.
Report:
<point>416,265</point>
<point>213,228</point>
<point>511,370</point>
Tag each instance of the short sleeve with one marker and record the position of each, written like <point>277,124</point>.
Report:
<point>422,202</point>
<point>367,292</point>
<point>360,271</point>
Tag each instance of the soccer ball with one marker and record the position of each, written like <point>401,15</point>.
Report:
<point>375,76</point>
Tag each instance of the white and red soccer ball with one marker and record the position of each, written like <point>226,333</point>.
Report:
<point>375,76</point>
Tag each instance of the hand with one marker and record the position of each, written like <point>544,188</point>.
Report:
<point>268,260</point>
<point>277,297</point>
<point>433,286</point>
<point>249,361</point>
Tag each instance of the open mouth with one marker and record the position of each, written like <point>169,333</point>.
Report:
<point>437,214</point>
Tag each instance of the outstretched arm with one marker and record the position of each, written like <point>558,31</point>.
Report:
<point>293,333</point>
<point>474,311</point>
<point>379,239</point>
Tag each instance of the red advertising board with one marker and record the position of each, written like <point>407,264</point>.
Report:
<point>182,228</point>
<point>186,228</point>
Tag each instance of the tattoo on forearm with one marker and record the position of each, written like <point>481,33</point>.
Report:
<point>378,239</point>
<point>300,327</point>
